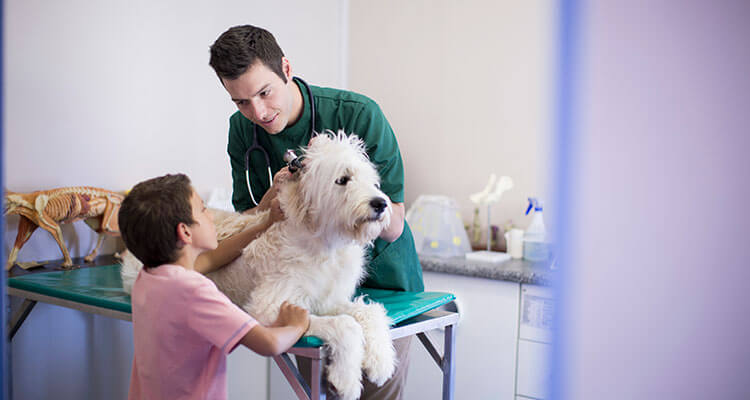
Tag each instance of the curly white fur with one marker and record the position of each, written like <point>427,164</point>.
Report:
<point>314,258</point>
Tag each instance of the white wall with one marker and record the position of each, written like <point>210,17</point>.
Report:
<point>467,87</point>
<point>110,93</point>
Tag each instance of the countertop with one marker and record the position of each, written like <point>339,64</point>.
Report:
<point>519,270</point>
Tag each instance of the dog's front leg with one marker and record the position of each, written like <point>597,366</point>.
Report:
<point>379,361</point>
<point>345,342</point>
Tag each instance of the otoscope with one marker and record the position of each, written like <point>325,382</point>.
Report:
<point>292,161</point>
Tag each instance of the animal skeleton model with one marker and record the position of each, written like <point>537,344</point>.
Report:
<point>50,208</point>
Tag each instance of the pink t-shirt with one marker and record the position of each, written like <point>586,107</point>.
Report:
<point>183,329</point>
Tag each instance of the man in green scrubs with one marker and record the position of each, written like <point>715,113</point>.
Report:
<point>257,76</point>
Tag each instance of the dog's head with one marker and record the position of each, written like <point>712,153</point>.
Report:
<point>337,194</point>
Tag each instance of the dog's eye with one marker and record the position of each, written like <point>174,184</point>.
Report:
<point>377,186</point>
<point>343,180</point>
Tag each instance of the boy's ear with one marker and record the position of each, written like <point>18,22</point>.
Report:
<point>184,235</point>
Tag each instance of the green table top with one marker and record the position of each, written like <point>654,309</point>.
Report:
<point>102,287</point>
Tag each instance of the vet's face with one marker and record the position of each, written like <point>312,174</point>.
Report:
<point>263,97</point>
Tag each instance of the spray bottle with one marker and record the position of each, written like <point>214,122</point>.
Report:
<point>535,246</point>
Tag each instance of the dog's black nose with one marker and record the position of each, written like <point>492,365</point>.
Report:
<point>378,204</point>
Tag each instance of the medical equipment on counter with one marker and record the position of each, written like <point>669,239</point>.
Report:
<point>514,243</point>
<point>535,246</point>
<point>437,227</point>
<point>256,147</point>
<point>491,194</point>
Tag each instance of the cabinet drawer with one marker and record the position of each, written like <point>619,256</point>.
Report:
<point>534,371</point>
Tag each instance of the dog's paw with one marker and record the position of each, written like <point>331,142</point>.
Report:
<point>346,382</point>
<point>380,365</point>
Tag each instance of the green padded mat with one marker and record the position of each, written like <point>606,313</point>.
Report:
<point>102,287</point>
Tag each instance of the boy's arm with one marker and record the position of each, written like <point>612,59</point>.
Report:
<point>229,249</point>
<point>273,340</point>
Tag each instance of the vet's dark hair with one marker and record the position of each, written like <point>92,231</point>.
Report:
<point>149,216</point>
<point>240,47</point>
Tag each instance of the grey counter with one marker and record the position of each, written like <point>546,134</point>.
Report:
<point>520,271</point>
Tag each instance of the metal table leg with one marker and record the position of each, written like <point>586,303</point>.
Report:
<point>317,356</point>
<point>20,316</point>
<point>449,364</point>
<point>446,363</point>
<point>435,319</point>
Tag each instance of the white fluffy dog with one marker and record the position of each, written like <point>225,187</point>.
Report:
<point>314,258</point>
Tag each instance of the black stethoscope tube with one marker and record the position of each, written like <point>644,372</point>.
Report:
<point>257,147</point>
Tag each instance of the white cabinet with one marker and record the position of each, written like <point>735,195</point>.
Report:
<point>503,343</point>
<point>533,369</point>
<point>534,342</point>
<point>486,340</point>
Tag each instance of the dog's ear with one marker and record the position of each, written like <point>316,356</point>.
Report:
<point>293,202</point>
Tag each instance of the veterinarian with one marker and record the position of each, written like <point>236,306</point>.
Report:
<point>183,326</point>
<point>276,114</point>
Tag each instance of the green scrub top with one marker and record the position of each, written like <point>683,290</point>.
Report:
<point>393,266</point>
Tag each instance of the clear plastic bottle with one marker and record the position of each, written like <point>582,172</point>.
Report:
<point>535,247</point>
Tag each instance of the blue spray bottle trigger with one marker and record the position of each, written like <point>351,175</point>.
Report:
<point>535,204</point>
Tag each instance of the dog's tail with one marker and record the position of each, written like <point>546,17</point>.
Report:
<point>228,223</point>
<point>129,271</point>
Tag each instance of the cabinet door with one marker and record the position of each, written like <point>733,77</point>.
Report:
<point>486,340</point>
<point>533,369</point>
<point>537,313</point>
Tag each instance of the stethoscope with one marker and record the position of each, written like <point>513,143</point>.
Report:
<point>256,146</point>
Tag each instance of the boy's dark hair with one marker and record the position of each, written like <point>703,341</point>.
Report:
<point>149,216</point>
<point>240,47</point>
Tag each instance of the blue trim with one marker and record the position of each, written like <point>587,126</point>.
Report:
<point>569,25</point>
<point>4,362</point>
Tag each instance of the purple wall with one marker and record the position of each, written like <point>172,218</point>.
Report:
<point>655,298</point>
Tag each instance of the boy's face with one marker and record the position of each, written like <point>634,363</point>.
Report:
<point>203,230</point>
<point>263,97</point>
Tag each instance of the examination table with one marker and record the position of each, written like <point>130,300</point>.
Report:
<point>98,290</point>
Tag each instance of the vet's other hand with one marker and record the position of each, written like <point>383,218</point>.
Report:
<point>282,176</point>
<point>292,315</point>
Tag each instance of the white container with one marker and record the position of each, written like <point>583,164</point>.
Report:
<point>535,247</point>
<point>535,250</point>
<point>437,227</point>
<point>514,241</point>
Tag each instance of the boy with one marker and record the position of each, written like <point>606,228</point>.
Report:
<point>183,327</point>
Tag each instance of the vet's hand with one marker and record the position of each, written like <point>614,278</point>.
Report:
<point>292,315</point>
<point>282,176</point>
<point>276,214</point>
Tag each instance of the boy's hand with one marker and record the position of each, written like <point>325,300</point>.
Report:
<point>292,315</point>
